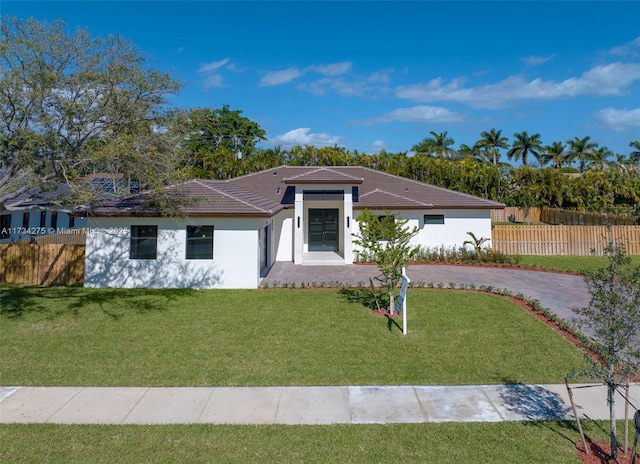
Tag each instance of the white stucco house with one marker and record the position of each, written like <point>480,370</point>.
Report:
<point>229,233</point>
<point>34,214</point>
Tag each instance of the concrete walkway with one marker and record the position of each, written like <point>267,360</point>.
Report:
<point>303,405</point>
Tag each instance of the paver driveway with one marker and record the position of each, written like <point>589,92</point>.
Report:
<point>555,291</point>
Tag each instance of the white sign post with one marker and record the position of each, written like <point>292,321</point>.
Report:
<point>401,301</point>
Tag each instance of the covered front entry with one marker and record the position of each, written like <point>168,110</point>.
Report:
<point>323,218</point>
<point>324,232</point>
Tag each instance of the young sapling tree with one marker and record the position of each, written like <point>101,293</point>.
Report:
<point>612,322</point>
<point>387,240</point>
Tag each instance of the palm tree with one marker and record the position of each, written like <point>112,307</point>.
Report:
<point>541,158</point>
<point>634,156</point>
<point>556,154</point>
<point>598,158</point>
<point>465,151</point>
<point>523,145</point>
<point>582,150</point>
<point>491,141</point>
<point>438,145</point>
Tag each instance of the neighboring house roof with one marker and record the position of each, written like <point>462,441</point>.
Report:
<point>266,192</point>
<point>37,199</point>
<point>111,183</point>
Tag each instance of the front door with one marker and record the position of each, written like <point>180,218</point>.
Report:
<point>323,229</point>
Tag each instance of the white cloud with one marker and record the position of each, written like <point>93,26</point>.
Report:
<point>280,77</point>
<point>537,60</point>
<point>374,84</point>
<point>284,76</point>
<point>377,146</point>
<point>421,113</point>
<point>628,49</point>
<point>333,69</point>
<point>301,136</point>
<point>336,79</point>
<point>214,80</point>
<point>610,79</point>
<point>619,120</point>
<point>211,70</point>
<point>213,66</point>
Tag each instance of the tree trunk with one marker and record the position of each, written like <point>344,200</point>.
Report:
<point>612,418</point>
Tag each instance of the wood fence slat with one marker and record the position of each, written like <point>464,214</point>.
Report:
<point>562,240</point>
<point>34,264</point>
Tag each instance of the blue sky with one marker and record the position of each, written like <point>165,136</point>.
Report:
<point>382,75</point>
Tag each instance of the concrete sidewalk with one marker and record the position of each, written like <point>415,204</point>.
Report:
<point>304,405</point>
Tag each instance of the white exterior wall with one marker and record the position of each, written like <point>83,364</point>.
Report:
<point>283,235</point>
<point>451,234</point>
<point>235,263</point>
<point>18,232</point>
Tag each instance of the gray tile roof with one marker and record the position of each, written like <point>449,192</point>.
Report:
<point>37,199</point>
<point>266,192</point>
<point>323,175</point>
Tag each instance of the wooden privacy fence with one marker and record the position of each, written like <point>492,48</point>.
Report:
<point>33,264</point>
<point>562,240</point>
<point>515,214</point>
<point>559,216</point>
<point>71,237</point>
<point>578,218</point>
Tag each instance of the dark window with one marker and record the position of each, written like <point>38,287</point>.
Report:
<point>199,242</point>
<point>289,196</point>
<point>355,194</point>
<point>434,219</point>
<point>43,219</point>
<point>72,221</point>
<point>323,195</point>
<point>25,220</point>
<point>54,219</point>
<point>5,226</point>
<point>144,242</point>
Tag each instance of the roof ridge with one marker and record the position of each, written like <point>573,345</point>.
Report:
<point>430,205</point>
<point>332,169</point>
<point>222,192</point>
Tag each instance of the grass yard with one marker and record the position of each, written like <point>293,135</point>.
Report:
<point>577,264</point>
<point>503,442</point>
<point>115,337</point>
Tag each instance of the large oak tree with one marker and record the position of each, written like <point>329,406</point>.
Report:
<point>72,104</point>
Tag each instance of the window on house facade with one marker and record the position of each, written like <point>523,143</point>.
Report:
<point>72,222</point>
<point>199,242</point>
<point>433,219</point>
<point>323,195</point>
<point>5,226</point>
<point>43,219</point>
<point>144,242</point>
<point>25,221</point>
<point>54,220</point>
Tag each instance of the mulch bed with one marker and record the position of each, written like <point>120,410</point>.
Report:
<point>599,454</point>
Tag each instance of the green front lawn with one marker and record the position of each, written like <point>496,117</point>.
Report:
<point>115,337</point>
<point>577,264</point>
<point>503,442</point>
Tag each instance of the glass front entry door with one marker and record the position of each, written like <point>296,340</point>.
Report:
<point>323,229</point>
